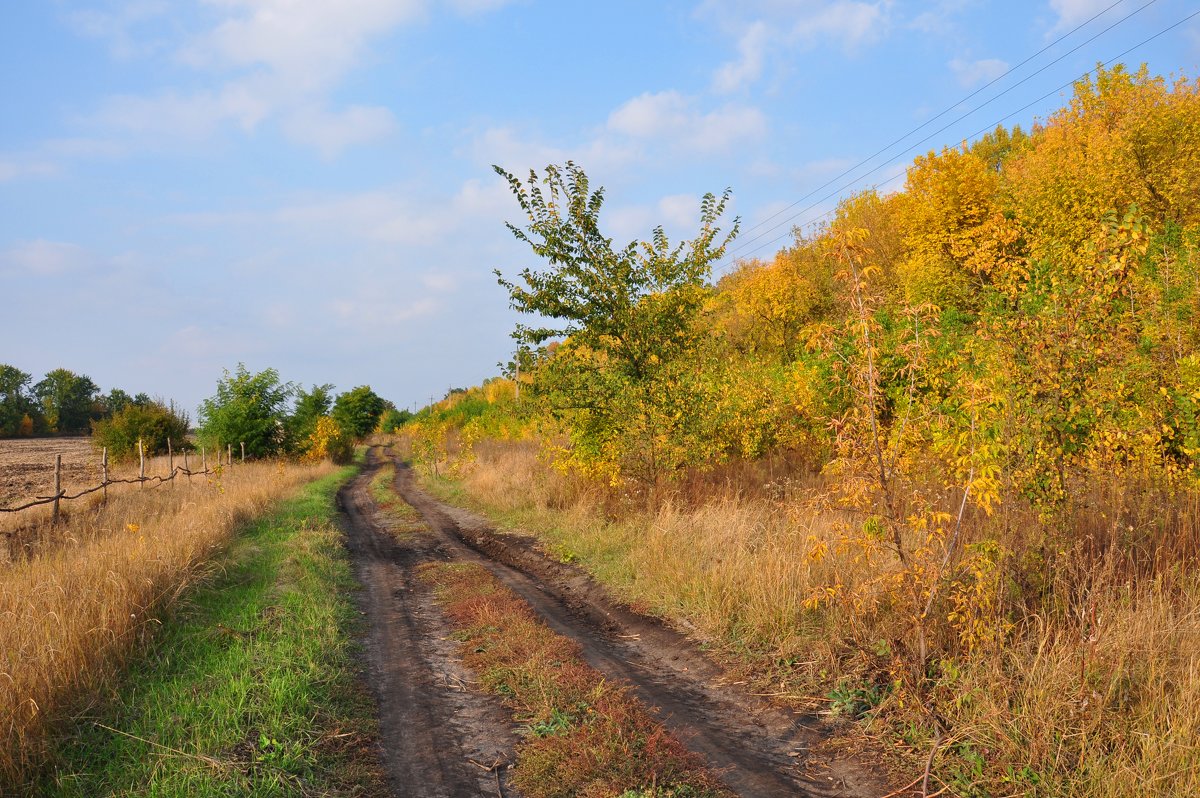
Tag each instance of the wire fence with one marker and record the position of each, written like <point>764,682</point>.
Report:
<point>60,495</point>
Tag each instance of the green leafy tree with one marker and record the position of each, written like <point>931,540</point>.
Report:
<point>247,408</point>
<point>310,406</point>
<point>16,403</point>
<point>357,411</point>
<point>628,316</point>
<point>68,401</point>
<point>393,419</point>
<point>116,400</point>
<point>154,424</point>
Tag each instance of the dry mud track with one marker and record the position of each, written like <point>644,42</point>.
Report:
<point>759,750</point>
<point>431,725</point>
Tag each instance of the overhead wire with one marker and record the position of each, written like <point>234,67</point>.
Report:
<point>733,255</point>
<point>950,108</point>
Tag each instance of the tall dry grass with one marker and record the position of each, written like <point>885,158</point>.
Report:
<point>1093,690</point>
<point>73,614</point>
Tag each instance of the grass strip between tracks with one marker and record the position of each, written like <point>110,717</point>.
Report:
<point>584,735</point>
<point>250,689</point>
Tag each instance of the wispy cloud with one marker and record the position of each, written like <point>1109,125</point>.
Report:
<point>767,29</point>
<point>972,73</point>
<point>676,119</point>
<point>276,61</point>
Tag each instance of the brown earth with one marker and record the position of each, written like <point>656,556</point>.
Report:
<point>27,467</point>
<point>439,734</point>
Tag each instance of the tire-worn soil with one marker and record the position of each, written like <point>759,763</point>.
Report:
<point>430,727</point>
<point>431,723</point>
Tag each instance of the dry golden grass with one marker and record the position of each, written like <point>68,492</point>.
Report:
<point>1095,690</point>
<point>73,613</point>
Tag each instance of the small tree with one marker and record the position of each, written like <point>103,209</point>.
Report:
<point>628,316</point>
<point>247,408</point>
<point>357,411</point>
<point>68,400</point>
<point>16,404</point>
<point>393,419</point>
<point>310,406</point>
<point>154,424</point>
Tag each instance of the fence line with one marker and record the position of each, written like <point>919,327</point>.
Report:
<point>61,495</point>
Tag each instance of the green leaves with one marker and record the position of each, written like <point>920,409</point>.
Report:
<point>628,314</point>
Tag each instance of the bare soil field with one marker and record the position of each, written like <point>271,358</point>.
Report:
<point>27,467</point>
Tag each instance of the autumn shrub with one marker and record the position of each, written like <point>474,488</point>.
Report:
<point>154,424</point>
<point>328,441</point>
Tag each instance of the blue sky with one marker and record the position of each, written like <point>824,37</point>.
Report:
<point>306,184</point>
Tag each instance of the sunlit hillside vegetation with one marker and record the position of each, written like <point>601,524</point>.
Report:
<point>938,461</point>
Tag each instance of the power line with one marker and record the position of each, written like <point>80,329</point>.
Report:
<point>979,132</point>
<point>942,129</point>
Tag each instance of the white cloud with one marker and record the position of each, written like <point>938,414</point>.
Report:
<point>271,60</point>
<point>116,25</point>
<point>12,168</point>
<point>670,117</point>
<point>849,23</point>
<point>752,46</point>
<point>41,258</point>
<point>770,29</point>
<point>1071,12</point>
<point>370,314</point>
<point>971,73</point>
<point>330,132</point>
<point>310,43</point>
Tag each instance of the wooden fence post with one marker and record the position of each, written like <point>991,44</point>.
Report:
<point>171,461</point>
<point>243,451</point>
<point>141,465</point>
<point>104,472</point>
<point>229,454</point>
<point>203,460</point>
<point>57,485</point>
<point>186,467</point>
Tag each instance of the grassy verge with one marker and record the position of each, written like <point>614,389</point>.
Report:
<point>250,688</point>
<point>585,736</point>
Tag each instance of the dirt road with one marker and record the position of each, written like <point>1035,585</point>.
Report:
<point>440,735</point>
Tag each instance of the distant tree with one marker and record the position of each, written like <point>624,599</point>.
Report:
<point>16,403</point>
<point>68,400</point>
<point>357,412</point>
<point>154,424</point>
<point>392,419</point>
<point>247,408</point>
<point>310,406</point>
<point>117,400</point>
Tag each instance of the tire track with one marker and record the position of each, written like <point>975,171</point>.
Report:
<point>760,751</point>
<point>431,727</point>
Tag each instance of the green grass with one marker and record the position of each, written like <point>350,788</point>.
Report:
<point>250,688</point>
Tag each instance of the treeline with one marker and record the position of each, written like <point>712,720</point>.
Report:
<point>61,403</point>
<point>270,417</point>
